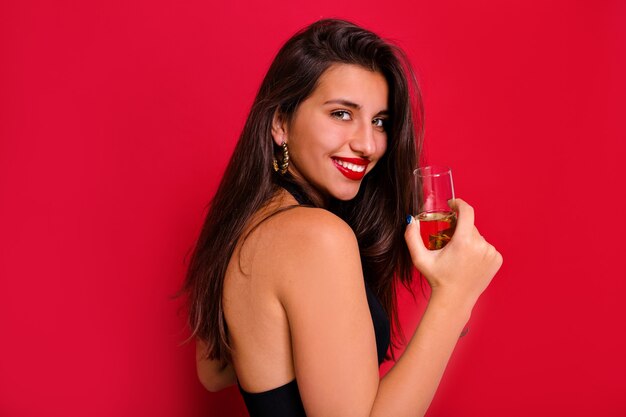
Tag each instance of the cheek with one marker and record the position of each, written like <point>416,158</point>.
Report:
<point>381,146</point>
<point>316,134</point>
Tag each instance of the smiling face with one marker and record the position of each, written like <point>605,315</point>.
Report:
<point>337,135</point>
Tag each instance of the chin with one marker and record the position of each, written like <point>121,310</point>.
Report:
<point>346,193</point>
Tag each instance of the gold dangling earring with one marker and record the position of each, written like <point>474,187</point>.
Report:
<point>285,162</point>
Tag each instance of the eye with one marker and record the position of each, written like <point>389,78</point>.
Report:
<point>380,123</point>
<point>341,115</point>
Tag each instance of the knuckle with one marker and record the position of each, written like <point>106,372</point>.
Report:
<point>490,251</point>
<point>499,258</point>
<point>495,256</point>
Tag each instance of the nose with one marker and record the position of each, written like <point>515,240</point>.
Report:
<point>363,141</point>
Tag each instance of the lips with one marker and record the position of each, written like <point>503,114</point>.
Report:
<point>352,168</point>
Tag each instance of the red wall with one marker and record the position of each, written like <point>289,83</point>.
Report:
<point>117,119</point>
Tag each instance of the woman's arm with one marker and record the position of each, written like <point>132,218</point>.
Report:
<point>454,293</point>
<point>333,340</point>
<point>214,375</point>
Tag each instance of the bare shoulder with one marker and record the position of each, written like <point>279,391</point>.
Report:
<point>315,247</point>
<point>312,239</point>
<point>297,242</point>
<point>315,228</point>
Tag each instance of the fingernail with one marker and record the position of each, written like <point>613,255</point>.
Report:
<point>409,219</point>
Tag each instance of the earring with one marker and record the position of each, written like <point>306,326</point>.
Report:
<point>285,162</point>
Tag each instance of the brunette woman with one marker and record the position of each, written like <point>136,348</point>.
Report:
<point>292,282</point>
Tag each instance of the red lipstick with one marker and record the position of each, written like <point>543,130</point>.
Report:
<point>352,174</point>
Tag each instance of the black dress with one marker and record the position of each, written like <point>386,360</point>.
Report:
<point>285,401</point>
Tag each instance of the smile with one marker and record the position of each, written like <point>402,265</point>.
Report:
<point>351,168</point>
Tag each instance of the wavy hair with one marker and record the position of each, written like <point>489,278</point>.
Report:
<point>377,213</point>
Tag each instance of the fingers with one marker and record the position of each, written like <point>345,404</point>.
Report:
<point>465,216</point>
<point>414,240</point>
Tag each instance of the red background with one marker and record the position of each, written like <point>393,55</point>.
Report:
<point>117,119</point>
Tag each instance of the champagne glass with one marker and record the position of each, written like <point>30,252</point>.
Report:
<point>437,220</point>
<point>435,188</point>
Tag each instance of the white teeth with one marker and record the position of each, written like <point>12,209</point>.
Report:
<point>351,166</point>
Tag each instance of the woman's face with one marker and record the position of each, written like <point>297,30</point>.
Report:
<point>337,135</point>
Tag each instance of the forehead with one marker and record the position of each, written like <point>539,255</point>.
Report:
<point>354,83</point>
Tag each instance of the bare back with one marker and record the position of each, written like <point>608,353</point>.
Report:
<point>257,322</point>
<point>297,309</point>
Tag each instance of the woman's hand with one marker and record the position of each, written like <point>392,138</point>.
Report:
<point>464,267</point>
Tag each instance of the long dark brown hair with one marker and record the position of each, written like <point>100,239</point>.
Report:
<point>377,214</point>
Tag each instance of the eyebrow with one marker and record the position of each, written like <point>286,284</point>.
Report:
<point>353,105</point>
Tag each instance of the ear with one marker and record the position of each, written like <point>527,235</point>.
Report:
<point>279,129</point>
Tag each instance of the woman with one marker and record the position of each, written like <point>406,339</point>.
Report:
<point>293,278</point>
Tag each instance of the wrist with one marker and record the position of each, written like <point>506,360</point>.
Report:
<point>458,305</point>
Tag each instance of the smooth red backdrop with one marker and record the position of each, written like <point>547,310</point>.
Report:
<point>117,119</point>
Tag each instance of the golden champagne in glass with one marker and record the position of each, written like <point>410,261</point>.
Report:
<point>437,219</point>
